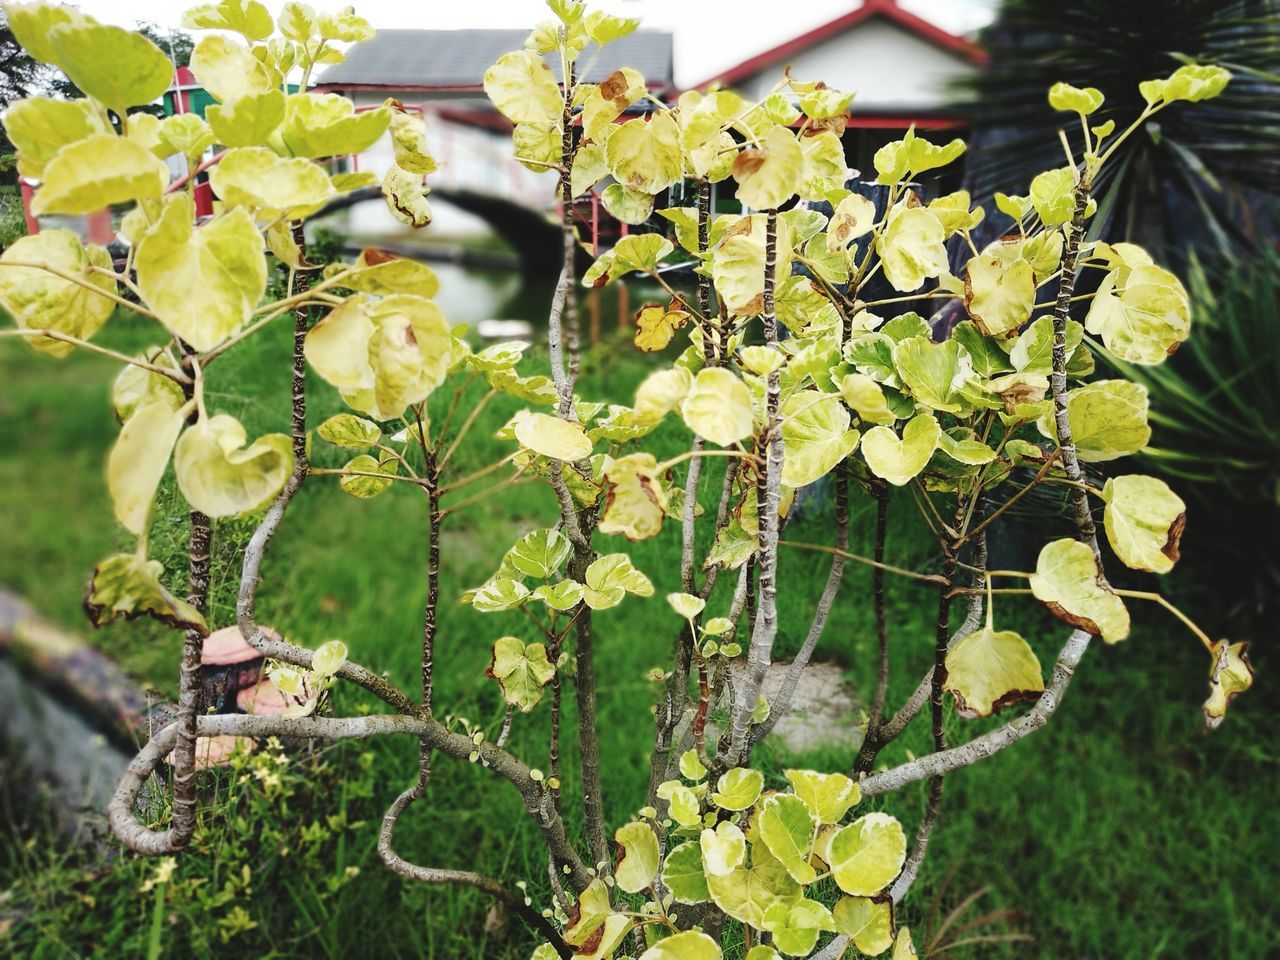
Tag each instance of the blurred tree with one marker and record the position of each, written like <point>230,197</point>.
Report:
<point>1199,178</point>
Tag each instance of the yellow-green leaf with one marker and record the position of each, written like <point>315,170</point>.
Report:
<point>738,788</point>
<point>911,248</point>
<point>718,407</point>
<point>990,669</point>
<point>627,205</point>
<point>815,436</point>
<point>552,437</point>
<point>854,216</point>
<point>249,18</point>
<point>656,325</point>
<point>39,127</point>
<point>203,284</point>
<point>39,300</point>
<point>1142,314</point>
<point>116,67</point>
<point>611,576</point>
<point>638,856</point>
<point>228,70</point>
<point>522,671</point>
<point>903,946</point>
<point>382,273</point>
<point>1069,582</point>
<point>327,125</point>
<point>1144,520</point>
<point>747,893</point>
<point>1108,419</point>
<point>365,486</point>
<point>348,430</point>
<point>255,177</point>
<point>999,294</point>
<point>912,155</point>
<point>1192,82</point>
<point>538,146</point>
<point>247,121</point>
<point>868,854</point>
<point>724,849</point>
<point>1230,675</point>
<point>768,177</point>
<point>795,926</point>
<point>128,585</point>
<point>660,393</point>
<point>896,459</point>
<point>1063,96</point>
<point>1053,196</point>
<point>827,795</point>
<point>645,155</point>
<point>868,923</point>
<point>382,354</point>
<point>592,909</point>
<point>186,134</point>
<point>406,197</point>
<point>97,172</point>
<point>137,462</point>
<point>221,476</point>
<point>523,88</point>
<point>787,827</point>
<point>635,499</point>
<point>690,945</point>
<point>33,25</point>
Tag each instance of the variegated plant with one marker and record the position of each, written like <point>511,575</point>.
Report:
<point>793,372</point>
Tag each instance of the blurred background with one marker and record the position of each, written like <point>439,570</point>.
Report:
<point>1123,829</point>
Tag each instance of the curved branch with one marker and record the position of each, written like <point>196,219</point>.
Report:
<point>993,741</point>
<point>430,731</point>
<point>468,878</point>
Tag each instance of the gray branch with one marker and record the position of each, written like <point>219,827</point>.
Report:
<point>995,740</point>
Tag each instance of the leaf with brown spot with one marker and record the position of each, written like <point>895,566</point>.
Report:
<point>656,325</point>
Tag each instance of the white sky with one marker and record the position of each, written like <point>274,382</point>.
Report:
<point>710,35</point>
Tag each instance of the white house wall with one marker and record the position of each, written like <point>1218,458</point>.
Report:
<point>889,68</point>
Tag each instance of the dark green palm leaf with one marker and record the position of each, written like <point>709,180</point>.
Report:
<point>1193,179</point>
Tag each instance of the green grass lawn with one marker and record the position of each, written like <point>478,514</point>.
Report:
<point>1123,830</point>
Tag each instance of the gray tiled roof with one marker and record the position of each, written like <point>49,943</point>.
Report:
<point>459,58</point>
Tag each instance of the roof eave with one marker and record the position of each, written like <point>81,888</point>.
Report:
<point>888,9</point>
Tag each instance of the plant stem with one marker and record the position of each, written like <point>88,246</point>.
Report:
<point>858,558</point>
<point>174,375</point>
<point>768,497</point>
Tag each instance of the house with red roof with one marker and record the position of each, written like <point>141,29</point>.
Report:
<point>901,66</point>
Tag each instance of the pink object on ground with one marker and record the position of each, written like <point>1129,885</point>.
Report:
<point>214,751</point>
<point>264,698</point>
<point>227,646</point>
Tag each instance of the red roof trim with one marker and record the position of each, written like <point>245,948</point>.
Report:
<point>888,9</point>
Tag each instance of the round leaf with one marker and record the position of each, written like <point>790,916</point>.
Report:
<point>1067,581</point>
<point>39,300</point>
<point>97,172</point>
<point>896,459</point>
<point>638,854</point>
<point>523,88</point>
<point>552,437</point>
<point>868,854</point>
<point>990,669</point>
<point>718,407</point>
<point>1144,520</point>
<point>203,284</point>
<point>222,477</point>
